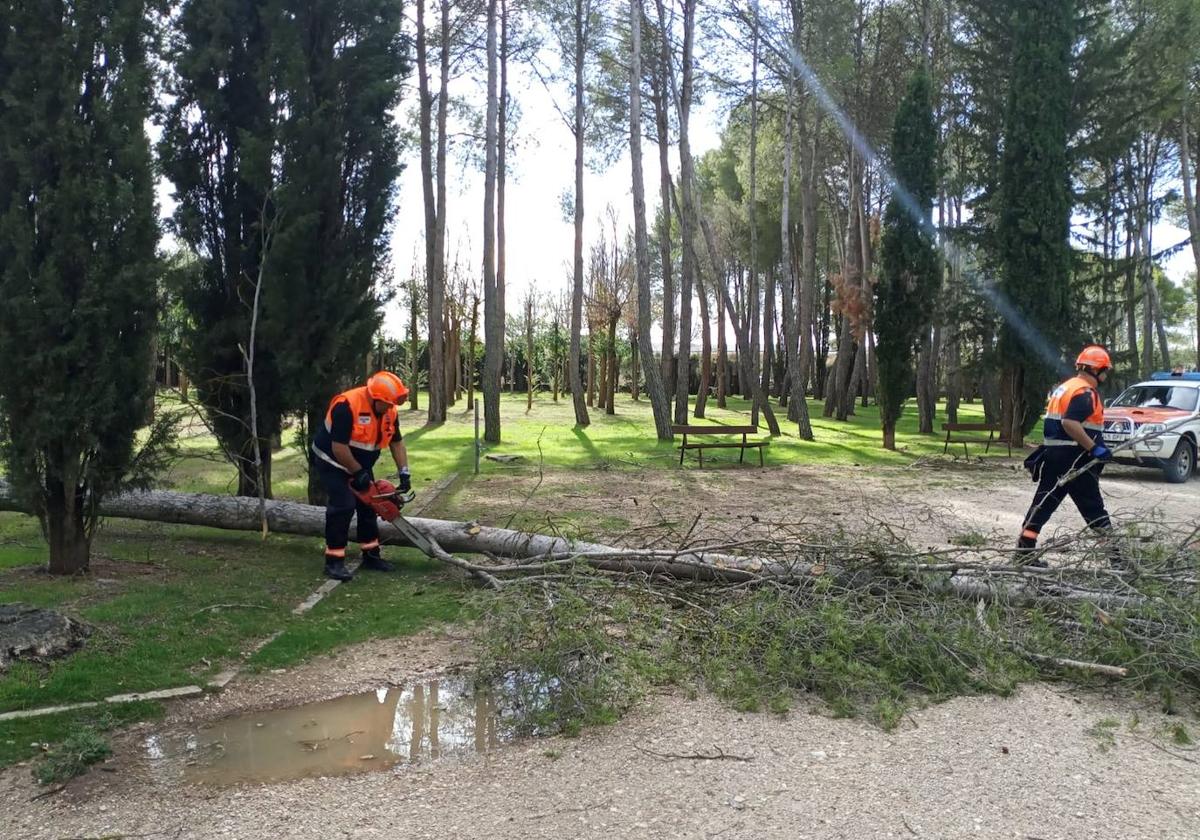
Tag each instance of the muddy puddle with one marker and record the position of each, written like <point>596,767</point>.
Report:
<point>353,734</point>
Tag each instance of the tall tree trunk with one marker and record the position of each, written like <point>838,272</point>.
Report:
<point>493,345</point>
<point>501,167</point>
<point>66,531</point>
<point>414,368</point>
<point>435,286</point>
<point>529,353</point>
<point>741,329</point>
<point>602,365</point>
<point>752,305</point>
<point>437,302</point>
<point>472,343</point>
<point>722,348</point>
<point>655,390</point>
<point>581,412</point>
<point>840,395</point>
<point>614,368</point>
<point>805,287</point>
<point>687,215</point>
<point>662,71</point>
<point>705,348</point>
<point>1189,202</point>
<point>768,333</point>
<point>926,386</point>
<point>634,361</point>
<point>591,366</point>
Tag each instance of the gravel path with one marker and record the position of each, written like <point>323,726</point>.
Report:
<point>1024,767</point>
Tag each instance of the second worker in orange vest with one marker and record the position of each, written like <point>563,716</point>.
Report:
<point>1073,436</point>
<point>359,425</point>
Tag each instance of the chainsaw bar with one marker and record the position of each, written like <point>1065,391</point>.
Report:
<point>413,534</point>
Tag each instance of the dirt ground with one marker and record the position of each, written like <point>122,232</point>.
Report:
<point>1050,762</point>
<point>929,503</point>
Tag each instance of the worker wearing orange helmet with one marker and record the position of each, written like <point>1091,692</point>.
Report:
<point>359,425</point>
<point>1073,435</point>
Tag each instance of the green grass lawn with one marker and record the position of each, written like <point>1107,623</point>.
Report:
<point>152,589</point>
<point>548,434</point>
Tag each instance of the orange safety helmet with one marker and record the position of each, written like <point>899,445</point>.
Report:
<point>387,387</point>
<point>1095,357</point>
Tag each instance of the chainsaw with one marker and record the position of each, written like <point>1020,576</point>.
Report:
<point>386,500</point>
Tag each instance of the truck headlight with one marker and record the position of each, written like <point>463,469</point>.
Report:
<point>1151,428</point>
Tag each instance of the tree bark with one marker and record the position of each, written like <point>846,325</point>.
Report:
<point>705,348</point>
<point>752,305</point>
<point>741,330</point>
<point>66,527</point>
<point>434,205</point>
<point>577,395</point>
<point>529,301</point>
<point>501,166</point>
<point>662,70</point>
<point>437,298</point>
<point>687,215</point>
<point>1189,202</point>
<point>493,327</point>
<point>472,343</point>
<point>613,367</point>
<point>722,347</point>
<point>414,397</point>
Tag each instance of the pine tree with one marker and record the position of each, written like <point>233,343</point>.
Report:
<point>216,149</point>
<point>1034,209</point>
<point>77,260</point>
<point>338,70</point>
<point>909,277</point>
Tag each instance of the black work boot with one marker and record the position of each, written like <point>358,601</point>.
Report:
<point>374,561</point>
<point>335,568</point>
<point>1027,554</point>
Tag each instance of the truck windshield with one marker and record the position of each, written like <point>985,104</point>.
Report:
<point>1159,396</point>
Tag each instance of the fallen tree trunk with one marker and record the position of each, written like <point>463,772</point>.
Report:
<point>515,552</point>
<point>235,513</point>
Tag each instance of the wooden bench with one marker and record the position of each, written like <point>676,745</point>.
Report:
<point>991,428</point>
<point>720,430</point>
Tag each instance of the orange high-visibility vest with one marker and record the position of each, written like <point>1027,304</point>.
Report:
<point>1056,409</point>
<point>368,432</point>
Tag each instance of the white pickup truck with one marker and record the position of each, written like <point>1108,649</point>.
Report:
<point>1147,408</point>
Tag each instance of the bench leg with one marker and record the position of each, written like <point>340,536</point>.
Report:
<point>681,451</point>
<point>966,454</point>
<point>700,452</point>
<point>760,456</point>
<point>946,448</point>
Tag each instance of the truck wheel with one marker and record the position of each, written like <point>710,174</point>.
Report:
<point>1182,464</point>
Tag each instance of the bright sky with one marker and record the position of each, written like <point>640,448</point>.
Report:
<point>540,241</point>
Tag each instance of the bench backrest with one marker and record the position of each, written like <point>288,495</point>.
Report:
<point>714,430</point>
<point>970,427</point>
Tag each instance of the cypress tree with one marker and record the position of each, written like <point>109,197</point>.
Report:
<point>909,277</point>
<point>339,65</point>
<point>217,150</point>
<point>1034,209</point>
<point>77,260</point>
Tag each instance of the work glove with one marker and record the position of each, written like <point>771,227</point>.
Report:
<point>1101,453</point>
<point>405,484</point>
<point>361,480</point>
